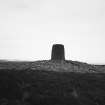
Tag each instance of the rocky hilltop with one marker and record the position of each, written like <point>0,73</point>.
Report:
<point>53,65</point>
<point>57,63</point>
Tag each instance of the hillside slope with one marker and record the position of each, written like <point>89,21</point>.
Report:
<point>51,83</point>
<point>40,87</point>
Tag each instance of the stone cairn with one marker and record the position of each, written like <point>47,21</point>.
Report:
<point>58,52</point>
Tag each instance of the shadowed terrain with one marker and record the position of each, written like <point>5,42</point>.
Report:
<point>51,83</point>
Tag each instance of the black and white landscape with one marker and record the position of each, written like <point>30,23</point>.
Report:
<point>73,31</point>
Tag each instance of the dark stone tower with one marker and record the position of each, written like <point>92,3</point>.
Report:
<point>58,52</point>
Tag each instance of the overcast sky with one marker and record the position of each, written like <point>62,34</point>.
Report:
<point>29,28</point>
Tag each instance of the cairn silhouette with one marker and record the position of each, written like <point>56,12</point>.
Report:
<point>58,52</point>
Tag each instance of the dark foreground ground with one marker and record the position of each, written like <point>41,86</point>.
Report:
<point>40,87</point>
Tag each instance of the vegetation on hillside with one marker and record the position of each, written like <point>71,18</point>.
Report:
<point>43,87</point>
